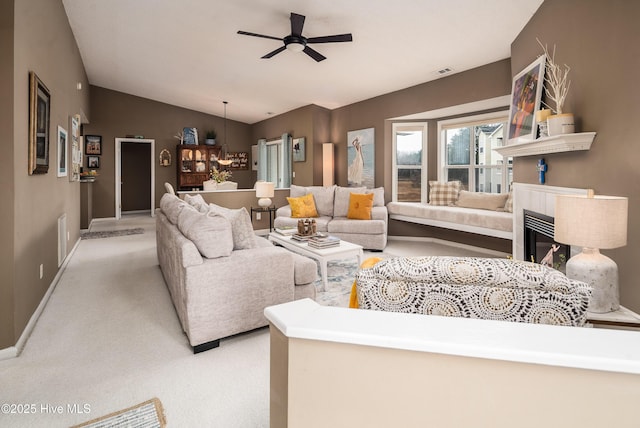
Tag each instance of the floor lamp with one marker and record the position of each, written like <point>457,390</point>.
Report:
<point>327,164</point>
<point>593,223</point>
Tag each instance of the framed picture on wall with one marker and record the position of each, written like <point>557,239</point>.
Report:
<point>93,162</point>
<point>298,149</point>
<point>92,144</point>
<point>361,158</point>
<point>39,113</point>
<point>62,152</point>
<point>526,94</point>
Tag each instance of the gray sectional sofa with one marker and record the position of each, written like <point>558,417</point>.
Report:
<point>332,204</point>
<point>220,275</point>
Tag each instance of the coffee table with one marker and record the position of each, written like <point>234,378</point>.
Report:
<point>343,251</point>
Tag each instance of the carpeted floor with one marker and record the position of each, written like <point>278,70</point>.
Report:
<point>109,337</point>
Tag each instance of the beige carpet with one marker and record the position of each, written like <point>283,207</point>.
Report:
<point>109,337</point>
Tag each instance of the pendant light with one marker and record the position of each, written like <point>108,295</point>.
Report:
<point>224,159</point>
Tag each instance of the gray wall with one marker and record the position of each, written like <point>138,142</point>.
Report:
<point>42,42</point>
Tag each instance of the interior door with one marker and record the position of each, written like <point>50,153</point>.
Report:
<point>136,177</point>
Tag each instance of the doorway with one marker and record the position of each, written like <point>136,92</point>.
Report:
<point>135,176</point>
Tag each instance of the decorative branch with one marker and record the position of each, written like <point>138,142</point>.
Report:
<point>556,82</point>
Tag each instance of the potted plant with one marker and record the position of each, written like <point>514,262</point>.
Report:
<point>211,138</point>
<point>556,85</point>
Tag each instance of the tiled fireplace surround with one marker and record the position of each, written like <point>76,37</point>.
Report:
<point>538,198</point>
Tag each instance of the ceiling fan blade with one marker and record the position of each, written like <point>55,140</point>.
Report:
<point>245,33</point>
<point>314,54</point>
<point>272,53</point>
<point>331,39</point>
<point>297,22</point>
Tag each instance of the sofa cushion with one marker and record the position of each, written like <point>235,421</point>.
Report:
<point>483,201</point>
<point>297,191</point>
<point>444,193</point>
<point>508,206</point>
<point>303,206</point>
<point>341,199</point>
<point>197,201</point>
<point>210,232</point>
<point>378,196</point>
<point>363,227</point>
<point>323,197</point>
<point>360,205</point>
<point>171,205</point>
<point>241,227</point>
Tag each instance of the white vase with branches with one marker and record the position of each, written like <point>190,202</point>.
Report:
<point>556,85</point>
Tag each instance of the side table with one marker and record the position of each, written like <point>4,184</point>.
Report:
<point>623,317</point>
<point>272,214</point>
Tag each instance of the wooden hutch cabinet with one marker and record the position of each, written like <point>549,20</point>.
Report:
<point>194,164</point>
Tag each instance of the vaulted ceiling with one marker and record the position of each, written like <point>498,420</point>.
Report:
<point>188,53</point>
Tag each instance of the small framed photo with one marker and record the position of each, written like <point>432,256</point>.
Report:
<point>62,152</point>
<point>298,150</point>
<point>92,144</point>
<point>526,94</point>
<point>93,162</point>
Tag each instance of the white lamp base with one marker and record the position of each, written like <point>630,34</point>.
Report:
<point>601,273</point>
<point>264,202</point>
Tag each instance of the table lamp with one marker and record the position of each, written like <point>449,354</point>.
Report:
<point>264,191</point>
<point>593,223</point>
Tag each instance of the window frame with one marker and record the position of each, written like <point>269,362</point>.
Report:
<point>424,179</point>
<point>467,121</point>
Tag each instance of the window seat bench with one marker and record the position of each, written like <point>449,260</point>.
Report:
<point>484,222</point>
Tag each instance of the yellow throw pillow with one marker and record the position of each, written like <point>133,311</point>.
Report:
<point>303,207</point>
<point>360,205</point>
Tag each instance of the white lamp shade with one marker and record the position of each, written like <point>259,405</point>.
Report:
<point>597,222</point>
<point>264,189</point>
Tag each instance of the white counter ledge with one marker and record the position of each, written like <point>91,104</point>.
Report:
<point>575,347</point>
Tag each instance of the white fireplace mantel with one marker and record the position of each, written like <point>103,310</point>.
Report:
<point>555,144</point>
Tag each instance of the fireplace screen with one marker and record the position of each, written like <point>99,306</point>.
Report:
<point>539,245</point>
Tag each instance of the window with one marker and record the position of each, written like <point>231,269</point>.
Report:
<point>410,162</point>
<point>466,153</point>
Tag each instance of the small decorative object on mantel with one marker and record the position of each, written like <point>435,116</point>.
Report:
<point>541,120</point>
<point>165,158</point>
<point>556,85</point>
<point>542,169</point>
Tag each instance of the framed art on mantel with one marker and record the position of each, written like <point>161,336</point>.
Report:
<point>526,94</point>
<point>39,113</point>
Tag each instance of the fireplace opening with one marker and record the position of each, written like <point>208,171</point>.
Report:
<point>538,241</point>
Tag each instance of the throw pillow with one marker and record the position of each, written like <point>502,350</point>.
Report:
<point>360,206</point>
<point>323,198</point>
<point>198,202</point>
<point>444,193</point>
<point>241,228</point>
<point>483,201</point>
<point>303,207</point>
<point>378,196</point>
<point>341,200</point>
<point>211,233</point>
<point>508,206</point>
<point>171,205</point>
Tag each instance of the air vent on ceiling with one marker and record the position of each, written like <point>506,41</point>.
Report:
<point>444,71</point>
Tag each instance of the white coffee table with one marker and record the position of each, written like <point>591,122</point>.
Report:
<point>343,251</point>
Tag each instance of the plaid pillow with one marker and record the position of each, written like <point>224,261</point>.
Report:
<point>441,193</point>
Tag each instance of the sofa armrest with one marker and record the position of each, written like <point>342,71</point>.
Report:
<point>284,211</point>
<point>380,213</point>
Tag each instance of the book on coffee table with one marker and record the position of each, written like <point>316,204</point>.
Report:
<point>287,230</point>
<point>324,241</point>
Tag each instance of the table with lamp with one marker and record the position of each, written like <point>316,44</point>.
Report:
<point>265,190</point>
<point>596,222</point>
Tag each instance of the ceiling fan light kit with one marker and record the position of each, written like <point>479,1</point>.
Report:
<point>296,42</point>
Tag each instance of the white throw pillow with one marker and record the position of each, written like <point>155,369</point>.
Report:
<point>483,201</point>
<point>241,227</point>
<point>198,202</point>
<point>210,232</point>
<point>341,200</point>
<point>171,205</point>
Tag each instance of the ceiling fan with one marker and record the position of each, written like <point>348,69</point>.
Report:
<point>296,42</point>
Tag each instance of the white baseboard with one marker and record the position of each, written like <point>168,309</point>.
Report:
<point>450,243</point>
<point>14,351</point>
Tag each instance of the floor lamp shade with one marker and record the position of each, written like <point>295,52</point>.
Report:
<point>593,223</point>
<point>264,191</point>
<point>327,164</point>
